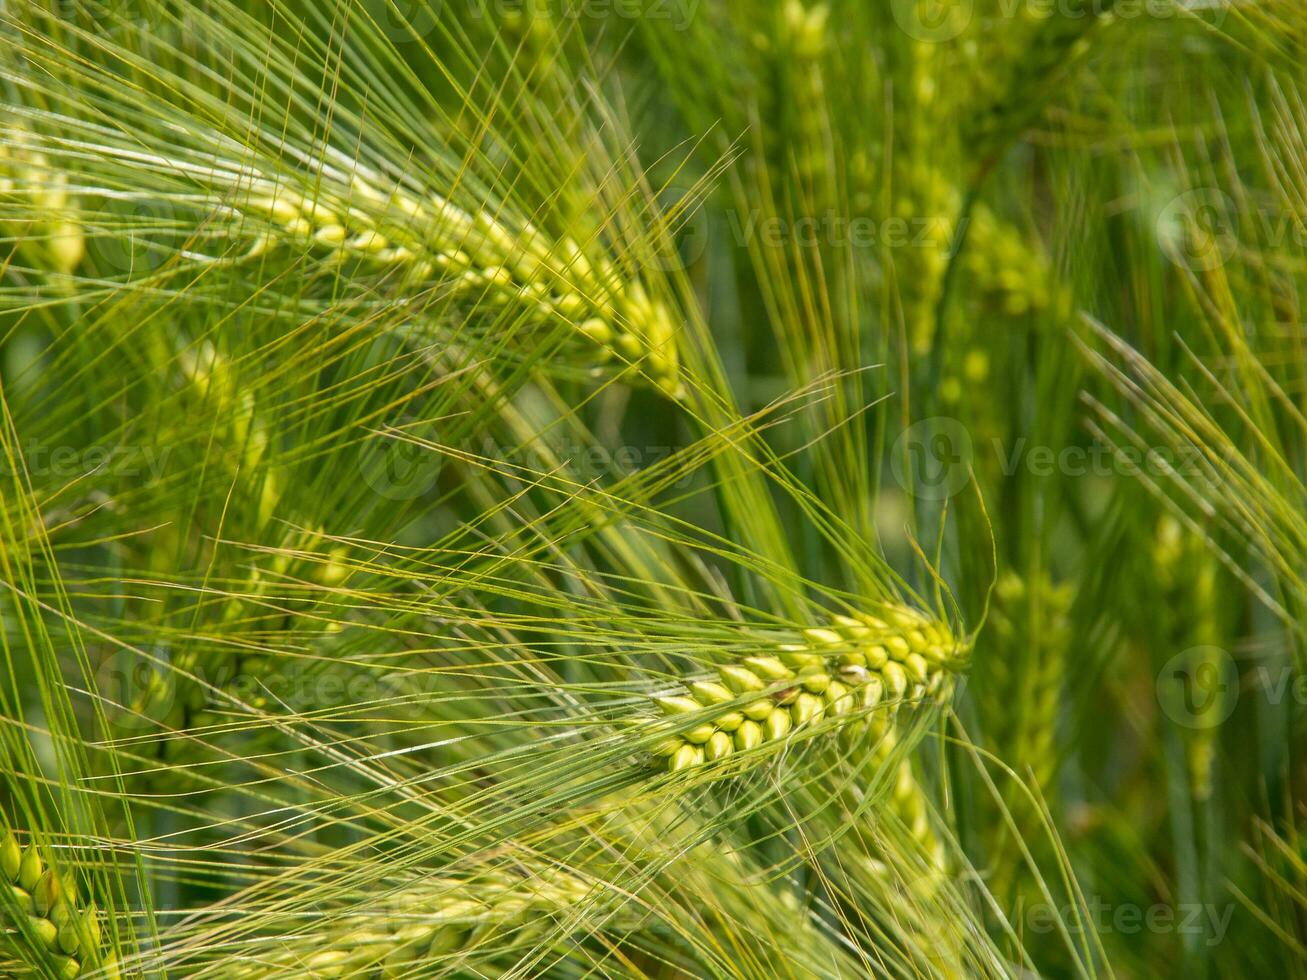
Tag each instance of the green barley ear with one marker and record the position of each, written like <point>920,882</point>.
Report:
<point>1000,269</point>
<point>419,925</point>
<point>840,673</point>
<point>1012,276</point>
<point>483,256</point>
<point>1057,43</point>
<point>380,210</point>
<point>802,45</point>
<point>42,907</point>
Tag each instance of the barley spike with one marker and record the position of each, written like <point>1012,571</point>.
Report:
<point>842,671</point>
<point>68,933</point>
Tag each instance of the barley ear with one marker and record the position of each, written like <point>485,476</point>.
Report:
<point>839,673</point>
<point>48,914</point>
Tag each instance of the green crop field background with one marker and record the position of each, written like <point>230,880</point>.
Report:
<point>661,489</point>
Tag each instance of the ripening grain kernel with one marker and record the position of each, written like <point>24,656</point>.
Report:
<point>739,680</point>
<point>821,636</point>
<point>686,757</point>
<point>777,725</point>
<point>838,699</point>
<point>897,647</point>
<point>730,721</point>
<point>666,747</point>
<point>718,747</point>
<point>768,667</point>
<point>30,869</point>
<point>11,856</point>
<point>797,656</point>
<point>815,682</point>
<point>44,930</point>
<point>677,705</point>
<point>806,708</point>
<point>748,736</point>
<point>708,692</point>
<point>896,679</point>
<point>700,733</point>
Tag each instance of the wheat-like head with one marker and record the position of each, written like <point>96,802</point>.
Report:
<point>432,242</point>
<point>843,671</point>
<point>423,924</point>
<point>49,912</point>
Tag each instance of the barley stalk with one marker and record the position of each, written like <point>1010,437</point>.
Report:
<point>50,913</point>
<point>841,671</point>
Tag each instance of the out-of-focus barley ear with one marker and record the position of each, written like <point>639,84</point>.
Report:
<point>1020,691</point>
<point>421,924</point>
<point>1187,576</point>
<point>171,696</point>
<point>49,232</point>
<point>1003,270</point>
<point>1057,42</point>
<point>802,42</point>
